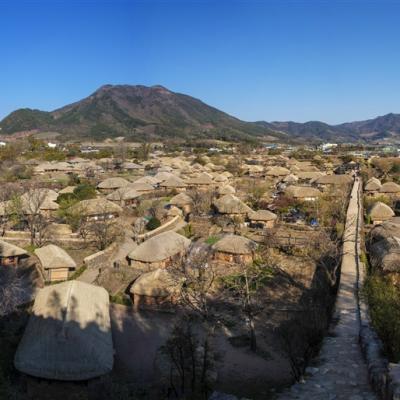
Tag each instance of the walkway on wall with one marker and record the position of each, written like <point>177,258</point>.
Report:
<point>341,373</point>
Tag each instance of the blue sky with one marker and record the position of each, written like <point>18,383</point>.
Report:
<point>334,61</point>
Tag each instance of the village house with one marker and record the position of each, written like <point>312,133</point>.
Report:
<point>154,289</point>
<point>111,184</point>
<point>390,189</point>
<point>68,336</point>
<point>372,187</point>
<point>202,181</point>
<point>160,251</point>
<point>232,206</point>
<point>333,181</point>
<point>55,262</point>
<point>125,196</point>
<point>234,249</point>
<point>262,219</point>
<point>303,193</point>
<point>182,201</point>
<point>173,183</point>
<point>97,209</point>
<point>10,255</point>
<point>226,189</point>
<point>379,212</point>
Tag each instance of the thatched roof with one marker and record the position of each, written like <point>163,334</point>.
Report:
<point>220,178</point>
<point>262,215</point>
<point>39,199</point>
<point>201,180</point>
<point>385,254</point>
<point>173,182</point>
<point>226,189</point>
<point>234,244</point>
<point>67,189</point>
<point>53,257</point>
<point>68,336</point>
<point>158,283</point>
<point>277,171</point>
<point>309,175</point>
<point>390,187</point>
<point>98,206</point>
<point>147,180</point>
<point>10,250</point>
<point>301,192</point>
<point>290,178</point>
<point>373,185</point>
<point>380,211</point>
<point>113,183</point>
<point>141,186</point>
<point>181,199</point>
<point>230,204</point>
<point>124,193</point>
<point>336,180</point>
<point>160,247</point>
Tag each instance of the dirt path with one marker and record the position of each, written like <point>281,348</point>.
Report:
<point>341,373</point>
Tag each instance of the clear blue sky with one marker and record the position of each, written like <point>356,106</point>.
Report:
<point>334,61</point>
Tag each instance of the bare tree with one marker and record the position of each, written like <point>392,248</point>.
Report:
<point>201,201</point>
<point>11,290</point>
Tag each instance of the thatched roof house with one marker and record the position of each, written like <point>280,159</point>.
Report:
<point>68,336</point>
<point>159,251</point>
<point>124,196</point>
<point>174,182</point>
<point>226,189</point>
<point>262,219</point>
<point>56,263</point>
<point>373,185</point>
<point>334,180</point>
<point>304,193</point>
<point>234,248</point>
<point>10,254</point>
<point>277,172</point>
<point>232,205</point>
<point>390,188</point>
<point>202,180</point>
<point>111,184</point>
<point>309,175</point>
<point>380,212</point>
<point>155,288</point>
<point>183,201</point>
<point>98,208</point>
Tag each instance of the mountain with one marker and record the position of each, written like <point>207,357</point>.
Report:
<point>136,112</point>
<point>151,113</point>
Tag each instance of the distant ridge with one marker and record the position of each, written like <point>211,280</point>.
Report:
<point>147,113</point>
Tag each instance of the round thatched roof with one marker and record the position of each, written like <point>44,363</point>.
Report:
<point>147,180</point>
<point>203,179</point>
<point>372,185</point>
<point>262,215</point>
<point>301,192</point>
<point>290,178</point>
<point>277,171</point>
<point>234,244</point>
<point>230,204</point>
<point>226,189</point>
<point>173,182</point>
<point>124,193</point>
<point>52,257</point>
<point>10,250</point>
<point>380,211</point>
<point>181,199</point>
<point>160,247</point>
<point>98,206</point>
<point>113,183</point>
<point>390,187</point>
<point>158,283</point>
<point>336,180</point>
<point>68,336</point>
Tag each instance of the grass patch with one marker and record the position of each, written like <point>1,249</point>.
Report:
<point>121,298</point>
<point>212,240</point>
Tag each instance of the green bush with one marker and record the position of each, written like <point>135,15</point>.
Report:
<point>212,240</point>
<point>384,306</point>
<point>153,224</point>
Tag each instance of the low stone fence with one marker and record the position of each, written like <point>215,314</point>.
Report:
<point>101,259</point>
<point>163,228</point>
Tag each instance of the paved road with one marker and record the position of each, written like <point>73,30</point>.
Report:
<point>341,372</point>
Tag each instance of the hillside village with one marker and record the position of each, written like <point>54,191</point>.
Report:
<point>227,257</point>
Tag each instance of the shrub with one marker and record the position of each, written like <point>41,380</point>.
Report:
<point>153,223</point>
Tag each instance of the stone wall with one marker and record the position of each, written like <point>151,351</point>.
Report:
<point>101,259</point>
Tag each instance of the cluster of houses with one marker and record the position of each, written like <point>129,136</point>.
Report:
<point>181,183</point>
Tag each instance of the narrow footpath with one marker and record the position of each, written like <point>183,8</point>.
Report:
<point>341,373</point>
